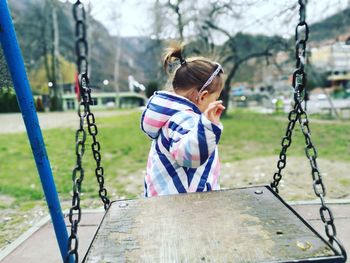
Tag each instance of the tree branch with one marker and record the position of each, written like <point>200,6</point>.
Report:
<point>215,27</point>
<point>180,24</point>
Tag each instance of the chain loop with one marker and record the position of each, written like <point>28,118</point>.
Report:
<point>302,27</point>
<point>81,48</point>
<point>286,142</point>
<point>298,113</point>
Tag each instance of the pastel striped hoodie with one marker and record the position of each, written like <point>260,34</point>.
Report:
<point>183,156</point>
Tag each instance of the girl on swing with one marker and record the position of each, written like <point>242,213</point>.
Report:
<point>185,128</point>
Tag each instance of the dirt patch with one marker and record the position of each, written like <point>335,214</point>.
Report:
<point>128,185</point>
<point>296,183</point>
<point>6,200</point>
<point>14,222</point>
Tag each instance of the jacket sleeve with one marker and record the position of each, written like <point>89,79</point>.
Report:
<point>192,140</point>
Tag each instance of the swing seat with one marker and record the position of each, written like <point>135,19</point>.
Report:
<point>250,224</point>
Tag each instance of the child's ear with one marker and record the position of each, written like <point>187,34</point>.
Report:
<point>203,96</point>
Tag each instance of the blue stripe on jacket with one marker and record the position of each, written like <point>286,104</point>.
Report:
<point>163,110</point>
<point>190,173</point>
<point>160,180</point>
<point>203,146</point>
<point>217,132</point>
<point>205,174</point>
<point>171,171</point>
<point>145,188</point>
<point>179,100</point>
<point>175,127</point>
<point>143,117</point>
<point>164,140</point>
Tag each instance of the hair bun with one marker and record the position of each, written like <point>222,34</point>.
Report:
<point>174,52</point>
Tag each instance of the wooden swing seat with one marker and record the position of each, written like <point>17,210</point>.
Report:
<point>250,224</point>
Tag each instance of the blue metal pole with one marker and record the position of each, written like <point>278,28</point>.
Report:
<point>26,103</point>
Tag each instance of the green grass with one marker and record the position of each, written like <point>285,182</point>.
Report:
<point>125,149</point>
<point>344,182</point>
<point>248,135</point>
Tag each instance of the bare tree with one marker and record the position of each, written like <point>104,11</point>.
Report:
<point>157,30</point>
<point>175,17</point>
<point>55,95</point>
<point>207,18</point>
<point>175,6</point>
<point>212,21</point>
<point>44,44</point>
<point>234,57</point>
<point>238,48</point>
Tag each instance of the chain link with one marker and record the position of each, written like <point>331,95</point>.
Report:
<point>298,113</point>
<point>81,48</point>
<point>286,142</point>
<point>96,147</point>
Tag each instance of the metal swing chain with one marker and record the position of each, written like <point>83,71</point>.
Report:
<point>298,113</point>
<point>81,48</point>
<point>298,83</point>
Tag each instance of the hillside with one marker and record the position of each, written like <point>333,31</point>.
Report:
<point>32,23</point>
<point>332,27</point>
<point>140,56</point>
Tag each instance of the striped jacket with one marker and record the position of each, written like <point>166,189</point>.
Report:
<point>183,156</point>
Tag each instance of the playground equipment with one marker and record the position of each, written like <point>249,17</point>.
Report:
<point>249,224</point>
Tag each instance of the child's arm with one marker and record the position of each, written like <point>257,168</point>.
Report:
<point>191,141</point>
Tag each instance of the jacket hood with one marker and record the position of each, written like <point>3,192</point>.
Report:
<point>160,108</point>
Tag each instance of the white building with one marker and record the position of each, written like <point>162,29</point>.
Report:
<point>334,58</point>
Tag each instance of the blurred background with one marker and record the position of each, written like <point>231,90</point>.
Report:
<point>253,39</point>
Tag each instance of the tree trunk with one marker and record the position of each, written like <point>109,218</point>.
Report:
<point>225,95</point>
<point>180,23</point>
<point>331,104</point>
<point>55,59</point>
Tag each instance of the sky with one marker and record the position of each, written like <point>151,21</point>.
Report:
<point>264,17</point>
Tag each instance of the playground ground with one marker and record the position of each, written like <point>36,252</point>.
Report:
<point>296,185</point>
<point>38,244</point>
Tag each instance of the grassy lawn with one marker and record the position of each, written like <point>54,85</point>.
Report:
<point>125,148</point>
<point>248,135</point>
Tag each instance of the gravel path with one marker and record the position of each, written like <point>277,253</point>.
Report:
<point>13,122</point>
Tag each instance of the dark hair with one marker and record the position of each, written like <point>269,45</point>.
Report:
<point>193,72</point>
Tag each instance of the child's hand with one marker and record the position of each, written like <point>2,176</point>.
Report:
<point>214,110</point>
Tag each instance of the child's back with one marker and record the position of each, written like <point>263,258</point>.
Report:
<point>185,130</point>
